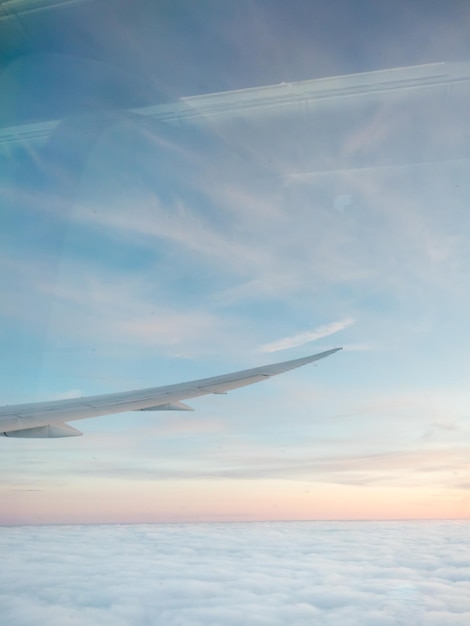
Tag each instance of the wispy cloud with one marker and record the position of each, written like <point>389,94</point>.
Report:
<point>310,335</point>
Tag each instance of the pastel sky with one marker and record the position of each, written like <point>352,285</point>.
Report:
<point>136,253</point>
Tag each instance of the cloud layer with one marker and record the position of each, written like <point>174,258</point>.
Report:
<point>295,574</point>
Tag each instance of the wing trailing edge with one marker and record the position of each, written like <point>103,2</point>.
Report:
<point>47,419</point>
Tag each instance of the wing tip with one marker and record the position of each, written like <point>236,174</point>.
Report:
<point>326,353</point>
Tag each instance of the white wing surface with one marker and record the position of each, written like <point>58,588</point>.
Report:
<point>47,419</point>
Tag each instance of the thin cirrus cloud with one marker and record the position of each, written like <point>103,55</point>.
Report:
<point>306,337</point>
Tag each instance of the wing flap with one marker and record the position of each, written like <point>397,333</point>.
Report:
<point>169,406</point>
<point>50,431</point>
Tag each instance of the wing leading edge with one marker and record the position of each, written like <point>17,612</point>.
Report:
<point>47,419</point>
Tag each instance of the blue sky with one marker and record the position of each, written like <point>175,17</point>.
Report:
<point>142,253</point>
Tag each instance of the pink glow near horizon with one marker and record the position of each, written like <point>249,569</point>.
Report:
<point>193,501</point>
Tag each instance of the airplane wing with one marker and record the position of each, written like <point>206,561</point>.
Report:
<point>47,419</point>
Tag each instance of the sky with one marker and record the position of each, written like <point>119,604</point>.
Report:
<point>304,574</point>
<point>137,253</point>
